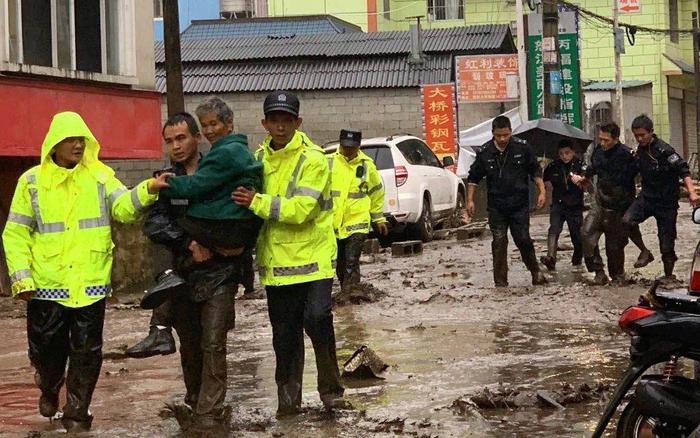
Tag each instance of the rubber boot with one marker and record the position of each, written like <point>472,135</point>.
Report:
<point>668,268</point>
<point>538,278</point>
<point>550,260</point>
<point>600,278</point>
<point>48,402</point>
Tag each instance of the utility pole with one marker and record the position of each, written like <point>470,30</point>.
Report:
<point>522,60</point>
<point>696,59</point>
<point>619,49</point>
<point>173,62</point>
<point>550,42</point>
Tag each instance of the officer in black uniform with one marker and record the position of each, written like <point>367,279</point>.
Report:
<point>613,163</point>
<point>661,169</point>
<point>508,165</point>
<point>567,204</point>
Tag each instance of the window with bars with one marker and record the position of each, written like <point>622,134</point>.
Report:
<point>445,9</point>
<point>67,34</point>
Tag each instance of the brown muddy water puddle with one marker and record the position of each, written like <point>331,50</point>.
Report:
<point>432,364</point>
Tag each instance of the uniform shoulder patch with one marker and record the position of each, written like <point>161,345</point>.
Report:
<point>674,158</point>
<point>519,140</point>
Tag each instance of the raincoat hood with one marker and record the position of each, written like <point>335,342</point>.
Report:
<point>69,124</point>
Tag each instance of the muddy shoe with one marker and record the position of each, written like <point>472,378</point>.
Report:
<point>48,404</point>
<point>157,342</point>
<point>75,426</point>
<point>538,278</point>
<point>645,257</point>
<point>167,284</point>
<point>619,280</point>
<point>501,284</point>
<point>576,260</point>
<point>334,401</point>
<point>252,295</point>
<point>600,279</point>
<point>548,262</point>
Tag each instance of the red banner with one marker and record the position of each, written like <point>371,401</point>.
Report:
<point>483,78</point>
<point>439,118</point>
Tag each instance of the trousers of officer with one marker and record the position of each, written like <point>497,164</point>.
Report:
<point>349,252</point>
<point>518,222</point>
<point>601,221</point>
<point>665,216</point>
<point>202,327</point>
<point>293,310</point>
<point>59,334</point>
<point>573,217</point>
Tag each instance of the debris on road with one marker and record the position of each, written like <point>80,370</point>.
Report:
<point>407,248</point>
<point>364,364</point>
<point>358,294</point>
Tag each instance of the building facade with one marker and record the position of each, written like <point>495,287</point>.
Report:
<point>664,59</point>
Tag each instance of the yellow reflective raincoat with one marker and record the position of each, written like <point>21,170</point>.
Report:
<point>358,195</point>
<point>58,239</point>
<point>296,243</point>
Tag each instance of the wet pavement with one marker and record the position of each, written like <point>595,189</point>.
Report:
<point>442,328</point>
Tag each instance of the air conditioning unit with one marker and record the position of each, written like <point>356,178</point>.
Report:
<point>231,9</point>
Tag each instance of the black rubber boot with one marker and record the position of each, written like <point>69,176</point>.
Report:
<point>645,257</point>
<point>668,268</point>
<point>167,283</point>
<point>600,278</point>
<point>157,342</point>
<point>538,278</point>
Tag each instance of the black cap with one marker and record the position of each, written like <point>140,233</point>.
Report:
<point>350,139</point>
<point>281,101</point>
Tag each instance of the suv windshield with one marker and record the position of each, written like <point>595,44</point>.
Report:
<point>381,155</point>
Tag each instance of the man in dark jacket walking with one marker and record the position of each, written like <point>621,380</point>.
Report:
<point>567,204</point>
<point>612,163</point>
<point>508,165</point>
<point>661,169</point>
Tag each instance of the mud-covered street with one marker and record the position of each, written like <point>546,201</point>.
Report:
<point>443,329</point>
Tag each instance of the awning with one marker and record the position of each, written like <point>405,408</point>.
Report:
<point>671,66</point>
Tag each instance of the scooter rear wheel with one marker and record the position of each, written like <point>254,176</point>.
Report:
<point>633,424</point>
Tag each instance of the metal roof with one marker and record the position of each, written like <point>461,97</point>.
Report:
<point>492,38</point>
<point>267,26</point>
<point>324,74</point>
<point>610,85</point>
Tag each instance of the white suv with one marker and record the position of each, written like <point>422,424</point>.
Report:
<point>420,193</point>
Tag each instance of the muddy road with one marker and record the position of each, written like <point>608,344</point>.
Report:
<point>442,327</point>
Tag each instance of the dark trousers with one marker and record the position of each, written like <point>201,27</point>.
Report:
<point>573,217</point>
<point>294,309</point>
<point>58,334</point>
<point>349,252</point>
<point>518,222</point>
<point>202,329</point>
<point>601,221</point>
<point>247,271</point>
<point>641,210</point>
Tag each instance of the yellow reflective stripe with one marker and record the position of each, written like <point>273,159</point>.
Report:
<point>356,195</point>
<point>375,188</point>
<point>376,216</point>
<point>51,227</point>
<point>330,163</point>
<point>116,194</point>
<point>291,188</point>
<point>357,227</point>
<point>135,199</point>
<point>307,191</point>
<point>21,219</point>
<point>275,207</point>
<point>22,274</point>
<point>335,193</point>
<point>103,220</point>
<point>31,179</point>
<point>295,270</point>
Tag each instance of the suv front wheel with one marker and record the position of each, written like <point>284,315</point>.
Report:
<point>423,228</point>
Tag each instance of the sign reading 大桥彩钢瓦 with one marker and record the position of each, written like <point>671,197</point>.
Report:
<point>439,119</point>
<point>629,6</point>
<point>484,78</point>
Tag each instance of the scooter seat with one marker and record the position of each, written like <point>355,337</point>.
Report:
<point>679,301</point>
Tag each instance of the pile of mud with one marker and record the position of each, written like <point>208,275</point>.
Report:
<point>508,397</point>
<point>359,294</point>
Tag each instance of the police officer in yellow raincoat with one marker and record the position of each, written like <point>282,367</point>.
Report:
<point>358,201</point>
<point>296,252</point>
<point>58,246</point>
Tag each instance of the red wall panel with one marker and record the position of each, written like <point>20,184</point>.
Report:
<point>126,122</point>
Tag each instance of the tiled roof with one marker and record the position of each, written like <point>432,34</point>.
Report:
<point>325,74</point>
<point>331,61</point>
<point>468,39</point>
<point>267,26</point>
